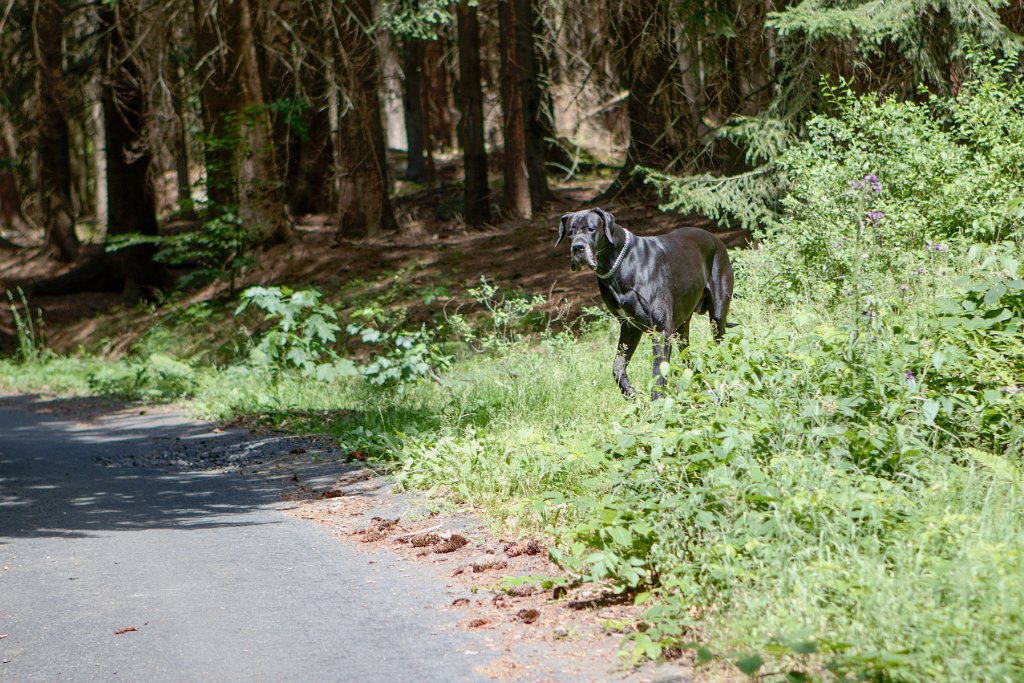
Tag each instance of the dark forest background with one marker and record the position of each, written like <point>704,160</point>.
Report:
<point>231,120</point>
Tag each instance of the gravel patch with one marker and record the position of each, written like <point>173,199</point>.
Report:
<point>223,453</point>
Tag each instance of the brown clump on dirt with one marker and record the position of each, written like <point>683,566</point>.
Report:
<point>382,524</point>
<point>528,615</point>
<point>424,540</point>
<point>451,544</point>
<point>516,549</point>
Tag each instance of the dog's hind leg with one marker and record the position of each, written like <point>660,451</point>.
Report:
<point>718,313</point>
<point>629,337</point>
<point>721,294</point>
<point>683,334</point>
<point>662,354</point>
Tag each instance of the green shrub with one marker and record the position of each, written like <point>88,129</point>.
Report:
<point>303,330</point>
<point>946,170</point>
<point>787,465</point>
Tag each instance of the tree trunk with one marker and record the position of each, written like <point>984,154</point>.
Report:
<point>364,207</point>
<point>260,188</point>
<point>413,97</point>
<point>182,166</point>
<point>100,163</point>
<point>53,150</point>
<point>131,204</point>
<point>661,133</point>
<point>515,199</point>
<point>216,93</point>
<point>530,90</point>
<point>309,182</point>
<point>11,216</point>
<point>476,195</point>
<point>441,130</point>
<point>241,168</point>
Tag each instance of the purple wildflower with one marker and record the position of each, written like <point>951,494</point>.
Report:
<point>934,246</point>
<point>857,184</point>
<point>911,377</point>
<point>919,271</point>
<point>872,180</point>
<point>904,288</point>
<point>875,216</point>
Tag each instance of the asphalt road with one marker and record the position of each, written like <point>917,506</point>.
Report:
<point>220,584</point>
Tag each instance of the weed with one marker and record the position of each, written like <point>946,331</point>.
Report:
<point>29,331</point>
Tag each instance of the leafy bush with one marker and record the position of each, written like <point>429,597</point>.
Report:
<point>782,462</point>
<point>401,357</point>
<point>220,247</point>
<point>508,317</point>
<point>944,170</point>
<point>302,333</point>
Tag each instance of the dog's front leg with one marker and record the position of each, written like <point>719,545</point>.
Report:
<point>629,337</point>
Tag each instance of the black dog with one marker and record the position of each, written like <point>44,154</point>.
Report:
<point>651,284</point>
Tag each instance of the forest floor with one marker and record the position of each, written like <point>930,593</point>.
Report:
<point>432,251</point>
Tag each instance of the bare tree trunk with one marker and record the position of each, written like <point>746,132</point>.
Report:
<point>240,165</point>
<point>476,195</point>
<point>643,34</point>
<point>54,151</point>
<point>10,198</point>
<point>216,94</point>
<point>515,199</point>
<point>441,130</point>
<point>182,166</point>
<point>415,110</point>
<point>309,181</point>
<point>364,207</point>
<point>530,90</point>
<point>131,204</point>
<point>100,165</point>
<point>261,200</point>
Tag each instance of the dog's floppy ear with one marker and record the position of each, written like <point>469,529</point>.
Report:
<point>609,220</point>
<point>561,228</point>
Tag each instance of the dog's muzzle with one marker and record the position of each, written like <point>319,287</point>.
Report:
<point>580,254</point>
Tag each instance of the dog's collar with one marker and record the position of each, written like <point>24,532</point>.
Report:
<point>618,259</point>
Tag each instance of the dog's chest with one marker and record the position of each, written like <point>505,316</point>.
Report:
<point>627,306</point>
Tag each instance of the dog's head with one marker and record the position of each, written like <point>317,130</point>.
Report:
<point>588,232</point>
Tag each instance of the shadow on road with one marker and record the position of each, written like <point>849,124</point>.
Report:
<point>76,468</point>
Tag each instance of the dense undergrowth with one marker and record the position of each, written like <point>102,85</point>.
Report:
<point>835,491</point>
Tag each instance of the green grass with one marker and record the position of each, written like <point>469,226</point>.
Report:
<point>823,520</point>
<point>800,498</point>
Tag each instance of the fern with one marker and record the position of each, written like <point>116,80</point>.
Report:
<point>747,200</point>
